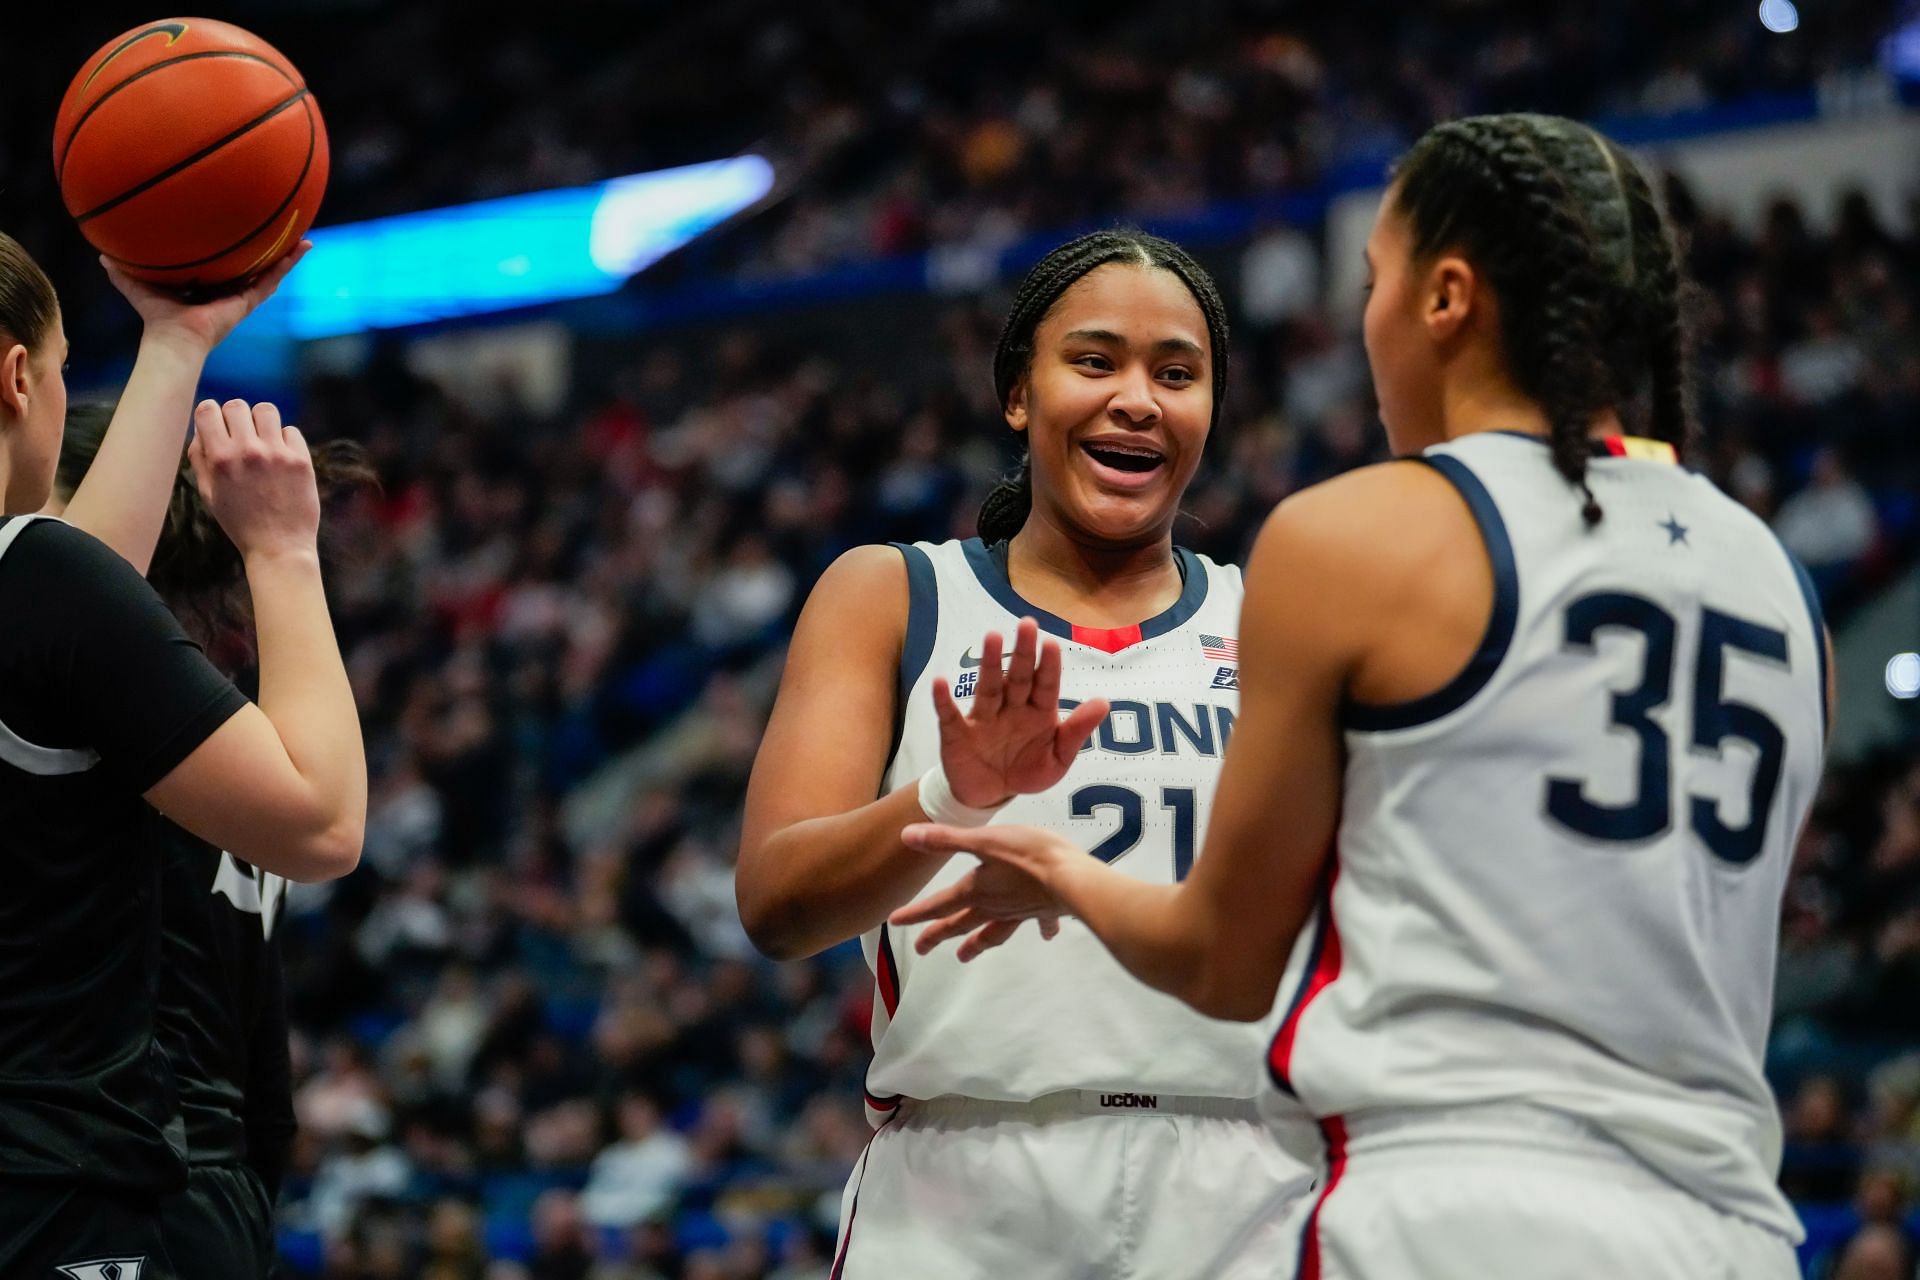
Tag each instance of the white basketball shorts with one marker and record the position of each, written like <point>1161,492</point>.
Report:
<point>1442,1203</point>
<point>1073,1186</point>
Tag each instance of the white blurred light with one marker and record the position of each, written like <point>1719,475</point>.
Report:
<point>1779,16</point>
<point>1903,675</point>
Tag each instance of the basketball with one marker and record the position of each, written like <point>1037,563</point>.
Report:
<point>190,152</point>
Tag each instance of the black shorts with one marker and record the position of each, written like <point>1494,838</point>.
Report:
<point>68,1232</point>
<point>221,1226</point>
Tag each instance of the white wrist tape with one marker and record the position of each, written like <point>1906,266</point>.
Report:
<point>936,798</point>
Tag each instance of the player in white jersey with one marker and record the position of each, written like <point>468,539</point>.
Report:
<point>1039,1114</point>
<point>1539,714</point>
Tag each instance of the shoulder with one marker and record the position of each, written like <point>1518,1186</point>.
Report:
<point>1370,543</point>
<point>49,559</point>
<point>863,596</point>
<point>869,574</point>
<point>49,540</point>
<point>1373,514</point>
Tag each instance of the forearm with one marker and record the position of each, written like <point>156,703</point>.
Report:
<point>123,498</point>
<point>820,881</point>
<point>304,689</point>
<point>1160,933</point>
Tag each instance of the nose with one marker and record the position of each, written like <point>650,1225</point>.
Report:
<point>1133,400</point>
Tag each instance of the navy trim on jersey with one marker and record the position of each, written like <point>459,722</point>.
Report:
<point>1819,620</point>
<point>1363,718</point>
<point>923,622</point>
<point>993,576</point>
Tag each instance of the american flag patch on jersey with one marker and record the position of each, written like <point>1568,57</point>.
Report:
<point>1220,648</point>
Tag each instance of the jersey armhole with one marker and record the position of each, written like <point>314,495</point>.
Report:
<point>1818,619</point>
<point>923,618</point>
<point>1379,718</point>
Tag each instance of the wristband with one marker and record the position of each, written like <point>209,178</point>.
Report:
<point>936,799</point>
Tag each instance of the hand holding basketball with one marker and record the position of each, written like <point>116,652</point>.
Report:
<point>191,152</point>
<point>1013,741</point>
<point>201,325</point>
<point>256,476</point>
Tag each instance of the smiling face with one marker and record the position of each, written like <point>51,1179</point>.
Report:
<point>1116,404</point>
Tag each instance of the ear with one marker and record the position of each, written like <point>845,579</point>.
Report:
<point>1451,295</point>
<point>14,379</point>
<point>1016,408</point>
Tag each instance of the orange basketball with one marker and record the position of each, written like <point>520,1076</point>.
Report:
<point>190,152</point>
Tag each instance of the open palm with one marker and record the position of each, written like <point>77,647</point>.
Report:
<point>1012,741</point>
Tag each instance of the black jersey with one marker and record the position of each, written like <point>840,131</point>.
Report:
<point>222,1016</point>
<point>101,695</point>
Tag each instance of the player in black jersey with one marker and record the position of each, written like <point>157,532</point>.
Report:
<point>107,712</point>
<point>222,1017</point>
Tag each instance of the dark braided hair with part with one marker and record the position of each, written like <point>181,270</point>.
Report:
<point>1007,506</point>
<point>1567,232</point>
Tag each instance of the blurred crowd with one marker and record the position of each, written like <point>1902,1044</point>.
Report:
<point>971,123</point>
<point>532,1041</point>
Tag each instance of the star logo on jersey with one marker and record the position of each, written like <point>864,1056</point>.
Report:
<point>105,1269</point>
<point>1676,532</point>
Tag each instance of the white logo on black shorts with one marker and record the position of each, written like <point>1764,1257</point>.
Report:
<point>106,1269</point>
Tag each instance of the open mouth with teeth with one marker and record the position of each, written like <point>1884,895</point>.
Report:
<point>1136,459</point>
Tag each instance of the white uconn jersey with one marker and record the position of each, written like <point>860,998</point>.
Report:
<point>1034,1017</point>
<point>1559,878</point>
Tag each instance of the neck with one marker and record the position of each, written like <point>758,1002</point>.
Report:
<point>13,502</point>
<point>1489,405</point>
<point>1114,585</point>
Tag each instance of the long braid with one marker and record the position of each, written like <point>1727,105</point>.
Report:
<point>1554,334</point>
<point>1666,333</point>
<point>1007,506</point>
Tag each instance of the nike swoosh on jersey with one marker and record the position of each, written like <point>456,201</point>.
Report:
<point>967,660</point>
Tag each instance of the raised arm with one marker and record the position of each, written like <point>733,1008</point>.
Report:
<point>1218,940</point>
<point>820,857</point>
<point>1332,609</point>
<point>123,499</point>
<point>282,784</point>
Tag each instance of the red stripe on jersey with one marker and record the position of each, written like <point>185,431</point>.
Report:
<point>1326,968</point>
<point>879,1103</point>
<point>1335,1131</point>
<point>1614,445</point>
<point>887,974</point>
<point>1108,639</point>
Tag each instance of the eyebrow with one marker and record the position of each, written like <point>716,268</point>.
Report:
<point>1180,345</point>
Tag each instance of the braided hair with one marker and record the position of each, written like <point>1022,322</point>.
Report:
<point>1007,506</point>
<point>1567,232</point>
